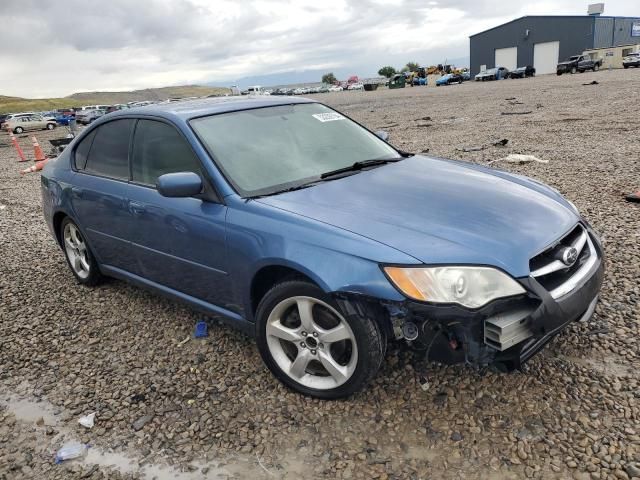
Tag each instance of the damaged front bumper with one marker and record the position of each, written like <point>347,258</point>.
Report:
<point>505,333</point>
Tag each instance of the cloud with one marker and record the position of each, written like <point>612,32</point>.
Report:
<point>56,48</point>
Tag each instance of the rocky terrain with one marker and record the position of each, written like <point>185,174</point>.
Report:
<point>170,406</point>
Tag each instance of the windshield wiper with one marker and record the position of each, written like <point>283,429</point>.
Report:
<point>284,190</point>
<point>359,166</point>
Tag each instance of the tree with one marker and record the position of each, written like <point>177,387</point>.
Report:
<point>329,78</point>
<point>412,66</point>
<point>387,72</point>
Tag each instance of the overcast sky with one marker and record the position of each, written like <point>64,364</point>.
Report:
<point>55,48</point>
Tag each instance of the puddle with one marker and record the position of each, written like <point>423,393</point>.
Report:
<point>30,411</point>
<point>127,465</point>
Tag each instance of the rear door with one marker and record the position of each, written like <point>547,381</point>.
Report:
<point>99,195</point>
<point>178,242</point>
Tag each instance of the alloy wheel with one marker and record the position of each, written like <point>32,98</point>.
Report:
<point>311,343</point>
<point>76,250</point>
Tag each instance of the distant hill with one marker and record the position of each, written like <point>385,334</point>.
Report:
<point>17,104</point>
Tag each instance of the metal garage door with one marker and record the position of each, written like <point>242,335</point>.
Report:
<point>507,57</point>
<point>545,57</point>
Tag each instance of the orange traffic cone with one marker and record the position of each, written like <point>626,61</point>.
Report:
<point>17,146</point>
<point>34,168</point>
<point>37,150</point>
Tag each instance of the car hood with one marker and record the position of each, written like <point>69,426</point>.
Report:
<point>440,211</point>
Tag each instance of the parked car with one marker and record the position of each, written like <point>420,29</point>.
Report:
<point>448,79</point>
<point>522,72</point>
<point>22,123</point>
<point>578,63</point>
<point>631,60</point>
<point>335,88</point>
<point>64,119</point>
<point>356,86</point>
<point>85,117</point>
<point>486,271</point>
<point>466,75</point>
<point>497,73</point>
<point>16,116</point>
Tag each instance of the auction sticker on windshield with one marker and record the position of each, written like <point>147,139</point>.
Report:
<point>328,117</point>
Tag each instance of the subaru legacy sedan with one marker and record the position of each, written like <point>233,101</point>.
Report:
<point>320,239</point>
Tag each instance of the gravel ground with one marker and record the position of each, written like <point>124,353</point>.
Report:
<point>169,408</point>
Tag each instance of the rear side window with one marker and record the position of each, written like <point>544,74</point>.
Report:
<point>158,148</point>
<point>109,153</point>
<point>82,151</point>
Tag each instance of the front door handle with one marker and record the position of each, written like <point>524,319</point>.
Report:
<point>136,208</point>
<point>76,192</point>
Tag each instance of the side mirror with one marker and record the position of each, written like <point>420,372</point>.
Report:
<point>179,184</point>
<point>382,135</point>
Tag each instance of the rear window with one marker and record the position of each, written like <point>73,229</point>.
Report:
<point>109,155</point>
<point>82,151</point>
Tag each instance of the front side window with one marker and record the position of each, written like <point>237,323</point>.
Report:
<point>264,150</point>
<point>109,153</point>
<point>158,148</point>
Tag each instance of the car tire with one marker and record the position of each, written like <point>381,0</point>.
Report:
<point>50,126</point>
<point>79,256</point>
<point>626,66</point>
<point>340,354</point>
<point>596,67</point>
<point>573,70</point>
<point>18,130</point>
<point>558,73</point>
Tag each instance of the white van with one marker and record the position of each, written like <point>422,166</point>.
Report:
<point>257,90</point>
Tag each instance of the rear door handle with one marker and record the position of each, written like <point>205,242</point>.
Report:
<point>136,208</point>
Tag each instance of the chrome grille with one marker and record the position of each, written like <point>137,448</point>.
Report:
<point>549,269</point>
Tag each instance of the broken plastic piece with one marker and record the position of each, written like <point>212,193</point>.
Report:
<point>71,450</point>
<point>88,420</point>
<point>424,383</point>
<point>201,330</point>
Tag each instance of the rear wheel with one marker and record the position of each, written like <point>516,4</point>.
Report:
<point>50,126</point>
<point>596,67</point>
<point>18,130</point>
<point>311,347</point>
<point>78,254</point>
<point>574,69</point>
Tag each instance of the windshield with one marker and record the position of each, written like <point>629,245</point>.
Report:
<point>266,150</point>
<point>573,58</point>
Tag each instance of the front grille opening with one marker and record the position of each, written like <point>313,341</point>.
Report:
<point>560,274</point>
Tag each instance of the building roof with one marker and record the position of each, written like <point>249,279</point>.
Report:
<point>551,16</point>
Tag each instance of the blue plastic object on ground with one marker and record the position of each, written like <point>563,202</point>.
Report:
<point>201,329</point>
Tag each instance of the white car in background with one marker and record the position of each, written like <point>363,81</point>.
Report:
<point>356,86</point>
<point>335,88</point>
<point>257,90</point>
<point>631,60</point>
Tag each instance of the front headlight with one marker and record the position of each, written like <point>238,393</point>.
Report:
<point>470,287</point>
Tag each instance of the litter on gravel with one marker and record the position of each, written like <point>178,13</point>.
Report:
<point>520,159</point>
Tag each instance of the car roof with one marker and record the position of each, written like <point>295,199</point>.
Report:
<point>209,106</point>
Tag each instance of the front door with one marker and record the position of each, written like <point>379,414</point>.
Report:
<point>179,242</point>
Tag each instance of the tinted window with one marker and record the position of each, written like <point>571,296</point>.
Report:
<point>82,151</point>
<point>158,148</point>
<point>109,152</point>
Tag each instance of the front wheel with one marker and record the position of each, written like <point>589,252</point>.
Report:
<point>18,130</point>
<point>574,70</point>
<point>596,67</point>
<point>311,346</point>
<point>50,126</point>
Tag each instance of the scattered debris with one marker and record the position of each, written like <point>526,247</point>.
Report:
<point>633,197</point>
<point>391,125</point>
<point>141,422</point>
<point>71,450</point>
<point>516,103</point>
<point>184,341</point>
<point>138,397</point>
<point>426,119</point>
<point>516,113</point>
<point>497,143</point>
<point>510,98</point>
<point>471,149</point>
<point>88,420</point>
<point>201,330</point>
<point>424,383</point>
<point>592,83</point>
<point>425,150</point>
<point>518,158</point>
<point>539,105</point>
<point>262,466</point>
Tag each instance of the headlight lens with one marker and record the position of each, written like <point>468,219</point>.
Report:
<point>470,287</point>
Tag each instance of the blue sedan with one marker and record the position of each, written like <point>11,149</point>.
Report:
<point>316,236</point>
